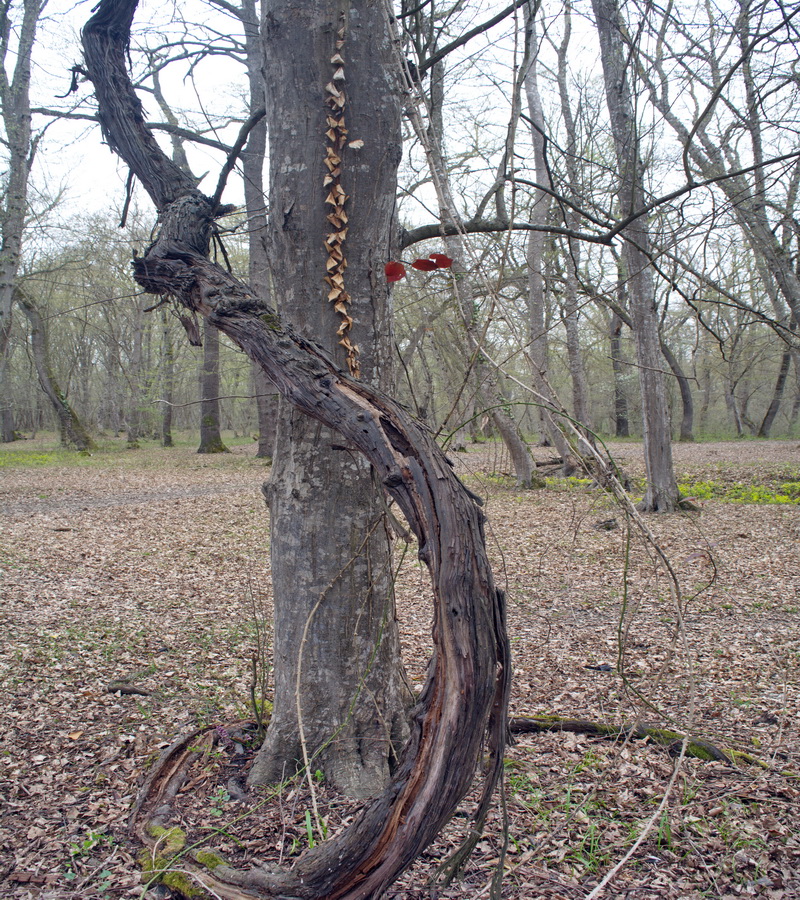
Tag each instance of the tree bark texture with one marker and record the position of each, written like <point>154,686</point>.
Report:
<point>339,681</point>
<point>577,369</point>
<point>661,494</point>
<point>687,401</point>
<point>253,159</point>
<point>777,394</point>
<point>466,693</point>
<point>135,376</point>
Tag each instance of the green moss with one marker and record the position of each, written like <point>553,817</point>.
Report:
<point>182,883</point>
<point>209,859</point>
<point>171,840</point>
<point>156,869</point>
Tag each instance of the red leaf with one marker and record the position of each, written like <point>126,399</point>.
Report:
<point>424,265</point>
<point>441,261</point>
<point>394,271</point>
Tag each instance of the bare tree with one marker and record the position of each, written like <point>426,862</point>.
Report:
<point>21,147</point>
<point>661,494</point>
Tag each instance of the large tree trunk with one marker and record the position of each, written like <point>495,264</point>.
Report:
<point>339,683</point>
<point>467,690</point>
<point>661,494</point>
<point>72,430</point>
<point>210,431</point>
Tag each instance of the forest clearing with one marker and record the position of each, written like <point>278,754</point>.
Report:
<point>135,585</point>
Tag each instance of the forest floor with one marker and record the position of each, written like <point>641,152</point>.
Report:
<point>137,569</point>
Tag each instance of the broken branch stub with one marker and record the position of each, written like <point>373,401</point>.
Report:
<point>464,702</point>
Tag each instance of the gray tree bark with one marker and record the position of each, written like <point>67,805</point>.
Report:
<point>685,388</point>
<point>577,369</point>
<point>338,674</point>
<point>135,377</point>
<point>619,370</point>
<point>661,494</point>
<point>777,395</point>
<point>253,158</point>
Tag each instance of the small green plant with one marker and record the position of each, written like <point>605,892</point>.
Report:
<point>664,837</point>
<point>309,830</point>
<point>218,800</point>
<point>590,854</point>
<point>81,849</point>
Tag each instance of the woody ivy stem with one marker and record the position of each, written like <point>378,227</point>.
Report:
<point>336,135</point>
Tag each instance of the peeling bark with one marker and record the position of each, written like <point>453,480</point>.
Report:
<point>466,694</point>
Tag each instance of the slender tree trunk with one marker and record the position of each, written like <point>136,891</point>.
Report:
<point>267,403</point>
<point>21,147</point>
<point>577,370</point>
<point>167,380</point>
<point>339,682</point>
<point>135,378</point>
<point>210,431</point>
<point>687,402</point>
<point>71,428</point>
<point>253,157</point>
<point>619,370</point>
<point>537,295</point>
<point>661,493</point>
<point>483,377</point>
<point>777,394</point>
